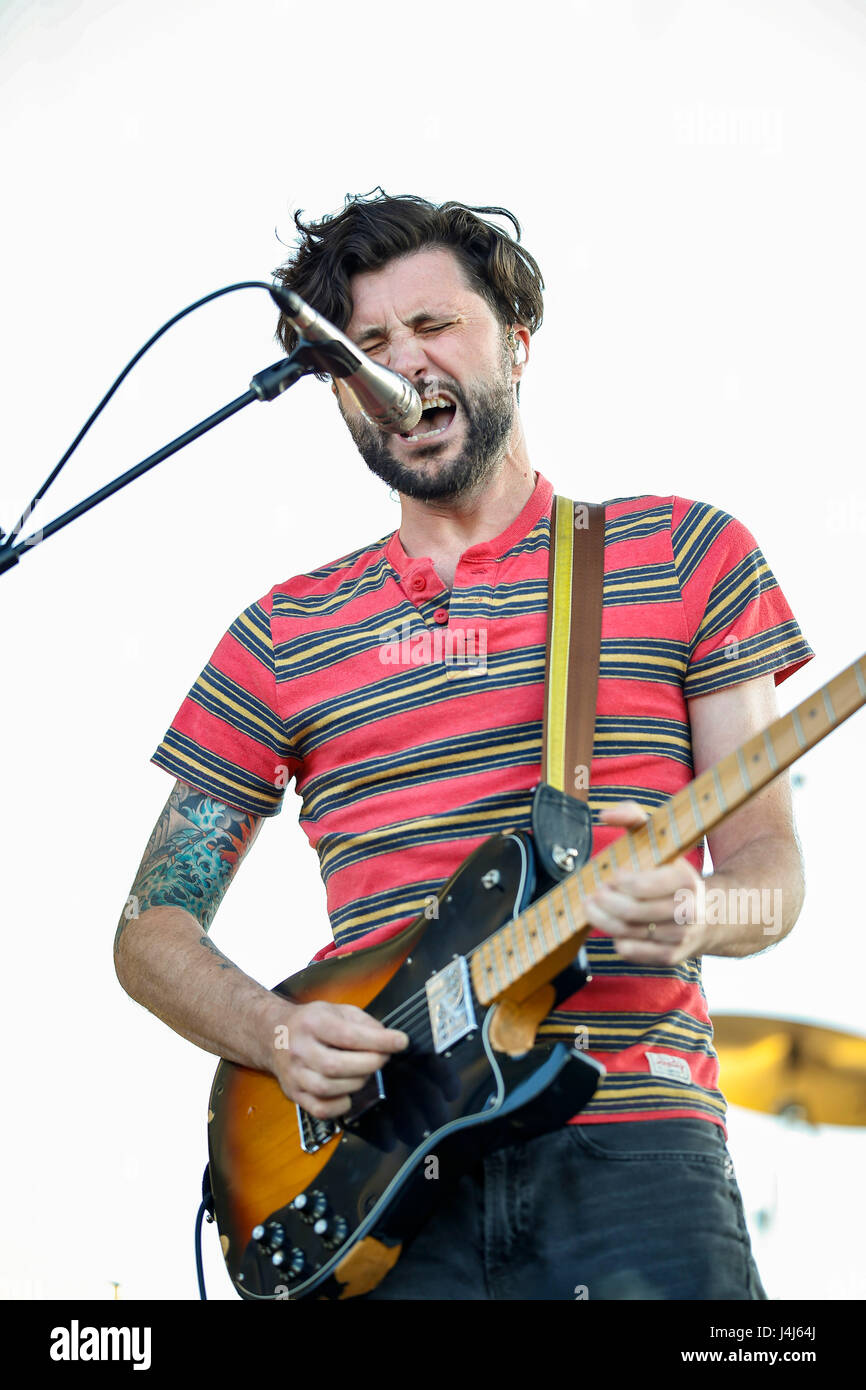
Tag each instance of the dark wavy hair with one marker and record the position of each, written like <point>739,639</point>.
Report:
<point>375,228</point>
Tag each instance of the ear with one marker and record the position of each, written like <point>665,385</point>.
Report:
<point>520,356</point>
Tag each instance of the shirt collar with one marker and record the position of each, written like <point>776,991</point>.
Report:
<point>537,506</point>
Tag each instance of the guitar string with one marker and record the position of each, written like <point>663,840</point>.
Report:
<point>417,1004</point>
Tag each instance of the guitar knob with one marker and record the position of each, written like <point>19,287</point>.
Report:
<point>276,1235</point>
<point>293,1264</point>
<point>311,1206</point>
<point>269,1237</point>
<point>333,1230</point>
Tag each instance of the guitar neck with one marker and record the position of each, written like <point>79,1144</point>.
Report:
<point>536,945</point>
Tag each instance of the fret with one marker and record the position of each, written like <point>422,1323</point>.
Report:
<point>548,928</point>
<point>581,882</point>
<point>744,771</point>
<point>696,810</point>
<point>571,925</point>
<point>798,728</point>
<point>561,920</point>
<point>635,862</point>
<point>720,795</point>
<point>651,832</point>
<point>675,830</point>
<point>828,705</point>
<point>555,923</point>
<point>515,955</point>
<point>661,829</point>
<point>530,932</point>
<point>771,752</point>
<point>502,968</point>
<point>861,683</point>
<point>490,967</point>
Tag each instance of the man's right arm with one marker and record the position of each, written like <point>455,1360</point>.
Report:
<point>165,960</point>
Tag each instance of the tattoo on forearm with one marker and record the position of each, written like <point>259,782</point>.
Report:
<point>191,858</point>
<point>225,963</point>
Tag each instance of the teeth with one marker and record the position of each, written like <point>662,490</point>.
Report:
<point>436,403</point>
<point>428,434</point>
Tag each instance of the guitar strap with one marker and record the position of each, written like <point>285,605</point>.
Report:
<point>561,821</point>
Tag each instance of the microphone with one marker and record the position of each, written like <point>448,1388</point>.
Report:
<point>385,397</point>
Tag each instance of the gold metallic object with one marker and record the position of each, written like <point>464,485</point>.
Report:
<point>783,1067</point>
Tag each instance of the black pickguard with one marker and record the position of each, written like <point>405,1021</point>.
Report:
<point>453,1106</point>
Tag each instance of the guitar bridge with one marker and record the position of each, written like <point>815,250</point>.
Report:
<point>314,1133</point>
<point>449,1001</point>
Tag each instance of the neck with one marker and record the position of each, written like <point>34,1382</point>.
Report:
<point>445,529</point>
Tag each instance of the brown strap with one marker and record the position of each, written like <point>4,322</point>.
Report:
<point>575,601</point>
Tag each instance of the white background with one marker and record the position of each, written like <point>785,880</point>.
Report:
<point>690,177</point>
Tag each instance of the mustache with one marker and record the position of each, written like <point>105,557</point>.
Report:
<point>435,385</point>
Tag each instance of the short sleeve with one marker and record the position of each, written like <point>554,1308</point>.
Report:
<point>227,739</point>
<point>739,622</point>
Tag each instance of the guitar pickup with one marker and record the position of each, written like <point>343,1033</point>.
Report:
<point>449,1002</point>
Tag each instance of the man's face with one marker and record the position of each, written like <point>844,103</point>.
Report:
<point>418,316</point>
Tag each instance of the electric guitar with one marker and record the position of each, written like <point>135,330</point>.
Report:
<point>310,1208</point>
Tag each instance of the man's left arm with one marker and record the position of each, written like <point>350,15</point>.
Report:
<point>753,897</point>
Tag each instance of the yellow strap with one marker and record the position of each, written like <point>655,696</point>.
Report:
<point>560,638</point>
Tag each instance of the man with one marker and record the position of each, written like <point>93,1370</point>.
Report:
<point>404,763</point>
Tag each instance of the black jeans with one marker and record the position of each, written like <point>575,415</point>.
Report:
<point>646,1209</point>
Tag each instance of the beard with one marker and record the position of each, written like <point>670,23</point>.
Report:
<point>488,412</point>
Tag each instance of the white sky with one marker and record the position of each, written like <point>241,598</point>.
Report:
<point>690,177</point>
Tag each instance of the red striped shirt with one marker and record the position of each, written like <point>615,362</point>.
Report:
<point>410,718</point>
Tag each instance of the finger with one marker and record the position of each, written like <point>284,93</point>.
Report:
<point>650,952</point>
<point>627,813</point>
<point>345,1026</point>
<point>322,1109</point>
<point>313,1083</point>
<point>624,911</point>
<point>656,883</point>
<point>337,1062</point>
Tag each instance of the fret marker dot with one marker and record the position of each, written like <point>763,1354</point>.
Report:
<point>756,757</point>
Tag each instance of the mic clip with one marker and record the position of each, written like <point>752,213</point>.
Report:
<point>332,358</point>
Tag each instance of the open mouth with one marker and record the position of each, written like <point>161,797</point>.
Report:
<point>439,411</point>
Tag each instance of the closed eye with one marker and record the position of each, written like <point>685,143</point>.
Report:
<point>377,346</point>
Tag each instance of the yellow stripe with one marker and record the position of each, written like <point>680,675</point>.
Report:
<point>210,775</point>
<point>560,638</point>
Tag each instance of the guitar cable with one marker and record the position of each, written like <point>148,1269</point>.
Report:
<point>205,1210</point>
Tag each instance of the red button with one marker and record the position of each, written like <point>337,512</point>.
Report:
<point>419,582</point>
<point>441,615</point>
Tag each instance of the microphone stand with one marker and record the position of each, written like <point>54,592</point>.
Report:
<point>307,357</point>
